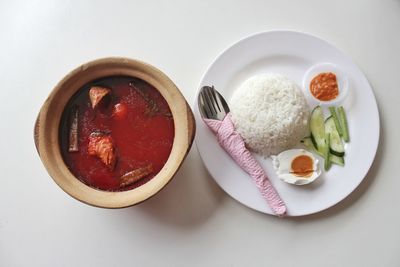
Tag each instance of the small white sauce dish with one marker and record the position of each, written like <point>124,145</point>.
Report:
<point>341,78</point>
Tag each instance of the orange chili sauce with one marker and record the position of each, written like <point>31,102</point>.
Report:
<point>302,166</point>
<point>324,86</point>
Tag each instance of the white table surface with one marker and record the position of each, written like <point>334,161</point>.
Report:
<point>192,222</point>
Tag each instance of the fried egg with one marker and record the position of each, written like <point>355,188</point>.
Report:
<point>296,166</point>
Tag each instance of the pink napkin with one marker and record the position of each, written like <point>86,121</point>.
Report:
<point>233,143</point>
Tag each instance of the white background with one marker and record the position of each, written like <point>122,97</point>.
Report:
<point>192,222</point>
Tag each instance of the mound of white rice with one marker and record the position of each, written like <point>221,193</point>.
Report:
<point>271,113</point>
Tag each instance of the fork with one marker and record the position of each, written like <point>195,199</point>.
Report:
<point>216,114</point>
<point>211,104</point>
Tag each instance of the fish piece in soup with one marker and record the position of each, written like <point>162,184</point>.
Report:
<point>98,94</point>
<point>102,145</point>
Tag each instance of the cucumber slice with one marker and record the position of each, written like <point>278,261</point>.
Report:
<point>308,144</point>
<point>336,120</point>
<point>343,124</point>
<point>317,128</point>
<point>336,146</point>
<point>336,160</point>
<point>327,162</point>
<point>314,143</point>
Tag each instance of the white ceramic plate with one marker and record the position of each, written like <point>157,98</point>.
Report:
<point>292,54</point>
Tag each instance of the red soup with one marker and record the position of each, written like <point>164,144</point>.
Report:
<point>116,133</point>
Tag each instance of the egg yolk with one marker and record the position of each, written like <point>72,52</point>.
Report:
<point>302,166</point>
